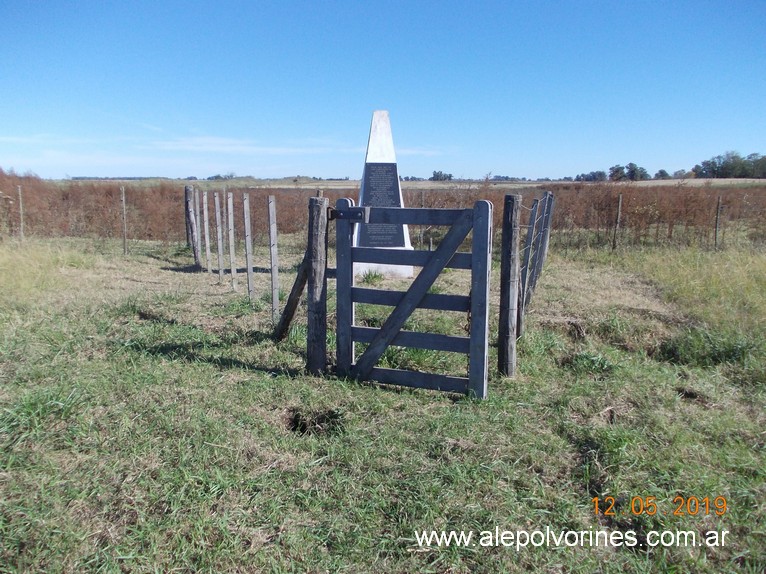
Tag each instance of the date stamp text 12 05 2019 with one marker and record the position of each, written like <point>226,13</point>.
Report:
<point>649,505</point>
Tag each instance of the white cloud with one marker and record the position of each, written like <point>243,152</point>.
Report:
<point>55,156</point>
<point>42,140</point>
<point>416,151</point>
<point>235,146</point>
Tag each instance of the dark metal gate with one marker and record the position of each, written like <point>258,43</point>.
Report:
<point>461,223</point>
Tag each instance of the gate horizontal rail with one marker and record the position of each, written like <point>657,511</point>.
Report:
<point>405,257</point>
<point>416,340</point>
<point>434,301</point>
<point>415,216</point>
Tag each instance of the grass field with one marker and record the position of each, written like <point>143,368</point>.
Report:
<point>148,423</point>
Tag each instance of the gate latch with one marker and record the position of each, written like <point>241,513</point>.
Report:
<point>355,214</point>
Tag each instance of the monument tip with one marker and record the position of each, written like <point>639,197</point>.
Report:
<point>380,145</point>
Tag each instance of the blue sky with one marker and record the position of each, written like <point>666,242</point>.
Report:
<point>284,88</point>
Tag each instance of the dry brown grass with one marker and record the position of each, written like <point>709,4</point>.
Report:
<point>678,212</point>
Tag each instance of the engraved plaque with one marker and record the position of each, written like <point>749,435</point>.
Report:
<point>381,189</point>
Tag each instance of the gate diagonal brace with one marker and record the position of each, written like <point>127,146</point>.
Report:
<point>447,248</point>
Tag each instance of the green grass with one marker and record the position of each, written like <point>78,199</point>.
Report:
<point>163,430</point>
<point>30,268</point>
<point>585,362</point>
<point>706,348</point>
<point>371,277</point>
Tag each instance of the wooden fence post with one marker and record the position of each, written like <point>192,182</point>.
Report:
<point>224,219</point>
<point>192,227</point>
<point>272,210</point>
<point>524,281</point>
<point>198,222</point>
<point>219,234</point>
<point>124,222</point>
<point>541,251</point>
<point>617,222</point>
<point>420,227</point>
<point>539,255</point>
<point>509,286</point>
<point>187,194</point>
<point>206,222</point>
<point>232,244</point>
<point>248,246</point>
<point>316,340</point>
<point>717,221</point>
<point>548,226</point>
<point>21,213</point>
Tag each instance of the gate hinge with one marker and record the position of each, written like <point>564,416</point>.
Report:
<point>355,214</point>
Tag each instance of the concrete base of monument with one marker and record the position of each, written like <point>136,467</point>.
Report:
<point>385,269</point>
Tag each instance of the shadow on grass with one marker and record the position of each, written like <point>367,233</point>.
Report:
<point>226,271</point>
<point>195,353</point>
<point>164,259</point>
<point>451,396</point>
<point>206,350</point>
<point>155,318</point>
<point>331,273</point>
<point>192,344</point>
<point>184,269</point>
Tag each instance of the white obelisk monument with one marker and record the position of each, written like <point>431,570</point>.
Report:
<point>381,188</point>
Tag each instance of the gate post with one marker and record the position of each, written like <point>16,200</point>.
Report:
<point>480,268</point>
<point>509,287</point>
<point>344,229</point>
<point>316,347</point>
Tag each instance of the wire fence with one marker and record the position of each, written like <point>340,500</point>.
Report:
<point>586,216</point>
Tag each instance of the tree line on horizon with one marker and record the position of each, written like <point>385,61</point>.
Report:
<point>728,165</point>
